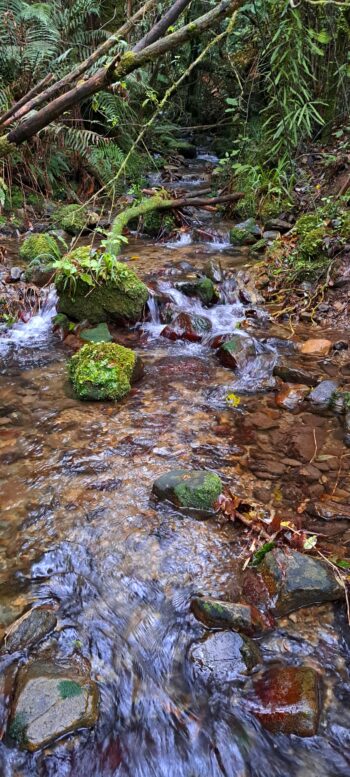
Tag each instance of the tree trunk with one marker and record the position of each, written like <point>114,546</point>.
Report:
<point>121,66</point>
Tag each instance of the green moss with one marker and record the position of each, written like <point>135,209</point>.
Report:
<point>206,291</point>
<point>155,223</point>
<point>312,242</point>
<point>344,230</point>
<point>71,218</point>
<point>203,496</point>
<point>69,688</point>
<point>41,246</point>
<point>307,223</point>
<point>102,371</point>
<point>17,729</point>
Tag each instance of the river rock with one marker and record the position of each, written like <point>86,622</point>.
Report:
<point>202,288</point>
<point>51,701</point>
<point>29,629</point>
<point>196,489</point>
<point>187,327</point>
<point>245,233</point>
<point>316,347</point>
<point>292,397</point>
<point>321,396</point>
<point>104,371</point>
<point>280,224</point>
<point>287,700</point>
<point>291,374</point>
<point>213,270</point>
<point>296,580</point>
<point>223,657</point>
<point>233,351</point>
<point>238,616</point>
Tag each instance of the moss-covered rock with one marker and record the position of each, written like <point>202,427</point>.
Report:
<point>102,371</point>
<point>246,233</point>
<point>42,247</point>
<point>99,334</point>
<point>157,222</point>
<point>74,219</point>
<point>118,295</point>
<point>202,287</point>
<point>189,489</point>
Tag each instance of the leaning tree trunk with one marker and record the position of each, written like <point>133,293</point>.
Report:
<point>120,67</point>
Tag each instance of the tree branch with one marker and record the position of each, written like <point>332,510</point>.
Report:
<point>161,27</point>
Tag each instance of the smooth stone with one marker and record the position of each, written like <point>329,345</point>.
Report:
<point>316,347</point>
<point>201,287</point>
<point>233,351</point>
<point>296,580</point>
<point>321,396</point>
<point>238,616</point>
<point>28,630</point>
<point>224,656</point>
<point>287,700</point>
<point>15,273</point>
<point>291,397</point>
<point>193,489</point>
<point>213,270</point>
<point>51,701</point>
<point>280,224</point>
<point>294,375</point>
<point>187,327</point>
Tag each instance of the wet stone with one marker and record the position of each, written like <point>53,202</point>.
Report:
<point>296,580</point>
<point>51,701</point>
<point>287,700</point>
<point>98,334</point>
<point>203,288</point>
<point>321,396</point>
<point>187,327</point>
<point>223,657</point>
<point>28,630</point>
<point>196,489</point>
<point>234,351</point>
<point>316,347</point>
<point>329,511</point>
<point>291,397</point>
<point>294,375</point>
<point>238,616</point>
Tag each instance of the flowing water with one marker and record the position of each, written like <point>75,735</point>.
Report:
<point>79,529</point>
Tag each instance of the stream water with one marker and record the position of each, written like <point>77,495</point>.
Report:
<point>80,530</point>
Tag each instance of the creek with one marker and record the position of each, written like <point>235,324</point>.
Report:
<point>80,530</point>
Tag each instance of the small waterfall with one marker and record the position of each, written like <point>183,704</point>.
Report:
<point>34,333</point>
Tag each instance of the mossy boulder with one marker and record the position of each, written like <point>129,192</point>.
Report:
<point>196,489</point>
<point>246,233</point>
<point>74,219</point>
<point>119,297</point>
<point>104,371</point>
<point>156,223</point>
<point>42,248</point>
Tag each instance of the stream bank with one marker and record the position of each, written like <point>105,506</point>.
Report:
<point>83,536</point>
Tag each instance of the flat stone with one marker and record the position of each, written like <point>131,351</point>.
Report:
<point>28,630</point>
<point>291,397</point>
<point>224,656</point>
<point>287,700</point>
<point>189,489</point>
<point>310,473</point>
<point>296,580</point>
<point>51,701</point>
<point>280,224</point>
<point>264,421</point>
<point>316,347</point>
<point>98,334</point>
<point>238,616</point>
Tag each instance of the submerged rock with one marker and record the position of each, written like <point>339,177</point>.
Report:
<point>201,287</point>
<point>287,700</point>
<point>121,297</point>
<point>187,327</point>
<point>102,371</point>
<point>99,334</point>
<point>291,374</point>
<point>296,580</point>
<point>238,616</point>
<point>224,656</point>
<point>29,629</point>
<point>197,489</point>
<point>51,701</point>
